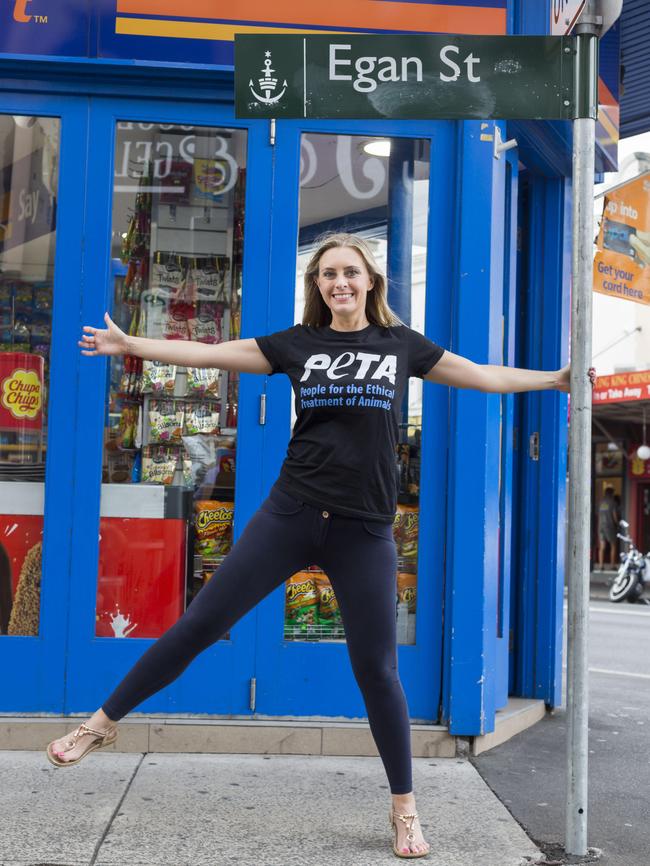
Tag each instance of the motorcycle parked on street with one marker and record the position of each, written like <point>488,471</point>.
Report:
<point>633,572</point>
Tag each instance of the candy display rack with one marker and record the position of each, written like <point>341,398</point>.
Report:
<point>172,237</point>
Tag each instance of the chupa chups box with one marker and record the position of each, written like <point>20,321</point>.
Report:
<point>21,407</point>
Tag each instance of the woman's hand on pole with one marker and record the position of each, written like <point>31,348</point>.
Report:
<point>97,341</point>
<point>564,378</point>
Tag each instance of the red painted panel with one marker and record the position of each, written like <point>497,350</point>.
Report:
<point>141,583</point>
<point>18,535</point>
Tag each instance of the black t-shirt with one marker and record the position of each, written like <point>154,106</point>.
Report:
<point>349,388</point>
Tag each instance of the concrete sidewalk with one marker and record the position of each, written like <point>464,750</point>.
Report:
<point>157,809</point>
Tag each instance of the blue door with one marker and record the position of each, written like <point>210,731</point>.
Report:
<point>42,151</point>
<point>168,460</point>
<point>381,181</point>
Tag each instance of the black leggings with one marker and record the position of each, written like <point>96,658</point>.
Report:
<point>282,537</point>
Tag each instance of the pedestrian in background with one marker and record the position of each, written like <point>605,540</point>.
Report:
<point>608,518</point>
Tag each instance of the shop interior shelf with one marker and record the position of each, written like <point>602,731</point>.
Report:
<point>314,632</point>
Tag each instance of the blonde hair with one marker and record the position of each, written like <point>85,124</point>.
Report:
<point>316,312</point>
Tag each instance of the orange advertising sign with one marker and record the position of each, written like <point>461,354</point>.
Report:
<point>204,19</point>
<point>622,387</point>
<point>622,262</point>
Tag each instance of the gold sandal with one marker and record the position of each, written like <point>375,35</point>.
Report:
<point>106,738</point>
<point>410,836</point>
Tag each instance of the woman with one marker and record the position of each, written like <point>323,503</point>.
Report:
<point>334,501</point>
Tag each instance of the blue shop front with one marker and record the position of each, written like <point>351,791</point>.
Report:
<point>128,185</point>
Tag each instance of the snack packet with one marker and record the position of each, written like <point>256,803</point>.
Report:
<point>301,600</point>
<point>328,607</point>
<point>203,381</point>
<point>159,464</point>
<point>167,275</point>
<point>119,467</point>
<point>175,324</point>
<point>207,277</point>
<point>407,589</point>
<point>201,418</point>
<point>158,377</point>
<point>406,529</point>
<point>205,323</point>
<point>125,379</point>
<point>166,420</point>
<point>213,521</point>
<point>127,427</point>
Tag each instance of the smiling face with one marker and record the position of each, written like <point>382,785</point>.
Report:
<point>344,282</point>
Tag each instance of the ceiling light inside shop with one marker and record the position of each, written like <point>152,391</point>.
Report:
<point>380,147</point>
<point>24,121</point>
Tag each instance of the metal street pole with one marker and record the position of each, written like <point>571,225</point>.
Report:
<point>596,19</point>
<point>591,25</point>
<point>579,488</point>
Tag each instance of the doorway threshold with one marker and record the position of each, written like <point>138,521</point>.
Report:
<point>273,735</point>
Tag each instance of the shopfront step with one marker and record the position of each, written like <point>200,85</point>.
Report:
<point>262,736</point>
<point>517,715</point>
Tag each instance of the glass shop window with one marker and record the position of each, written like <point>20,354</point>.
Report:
<point>378,188</point>
<point>170,432</point>
<point>29,171</point>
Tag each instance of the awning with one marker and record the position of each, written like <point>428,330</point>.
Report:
<point>635,51</point>
<point>624,413</point>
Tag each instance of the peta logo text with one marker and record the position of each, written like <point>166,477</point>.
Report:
<point>355,365</point>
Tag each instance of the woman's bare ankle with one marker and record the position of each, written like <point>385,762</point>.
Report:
<point>403,801</point>
<point>100,720</point>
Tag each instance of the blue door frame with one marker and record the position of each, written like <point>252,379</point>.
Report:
<point>505,562</point>
<point>327,686</point>
<point>474,454</point>
<point>475,666</point>
<point>539,541</point>
<point>35,667</point>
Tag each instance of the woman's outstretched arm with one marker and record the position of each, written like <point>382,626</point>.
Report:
<point>244,356</point>
<point>460,372</point>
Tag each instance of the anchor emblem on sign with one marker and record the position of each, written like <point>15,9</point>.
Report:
<point>268,84</point>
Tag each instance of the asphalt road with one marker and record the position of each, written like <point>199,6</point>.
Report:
<point>528,772</point>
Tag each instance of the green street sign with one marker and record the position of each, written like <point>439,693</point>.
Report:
<point>412,77</point>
